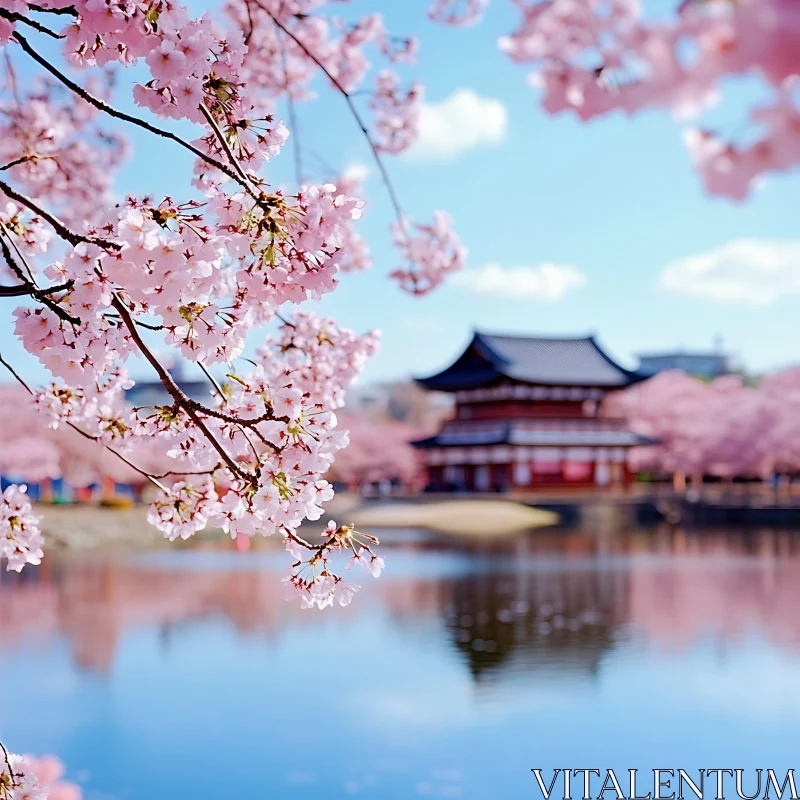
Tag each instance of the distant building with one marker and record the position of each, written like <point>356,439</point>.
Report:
<point>701,365</point>
<point>526,416</point>
<point>154,393</point>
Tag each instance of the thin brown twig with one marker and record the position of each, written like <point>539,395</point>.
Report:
<point>70,10</point>
<point>213,381</point>
<point>12,241</point>
<point>12,77</point>
<point>7,759</point>
<point>15,373</point>
<point>294,128</point>
<point>225,146</point>
<point>395,200</point>
<point>20,160</point>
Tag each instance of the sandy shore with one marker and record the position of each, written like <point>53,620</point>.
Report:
<point>458,517</point>
<point>82,527</point>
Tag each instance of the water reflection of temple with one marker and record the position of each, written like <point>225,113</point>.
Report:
<point>536,619</point>
<point>555,603</point>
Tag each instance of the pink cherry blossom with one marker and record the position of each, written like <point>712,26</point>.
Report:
<point>594,57</point>
<point>184,508</point>
<point>18,779</point>
<point>431,252</point>
<point>396,111</point>
<point>20,536</point>
<point>457,12</point>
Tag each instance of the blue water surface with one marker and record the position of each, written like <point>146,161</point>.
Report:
<point>184,674</point>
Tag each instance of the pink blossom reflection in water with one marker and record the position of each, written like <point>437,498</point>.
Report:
<point>452,676</point>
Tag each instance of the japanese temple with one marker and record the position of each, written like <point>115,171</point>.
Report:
<point>527,415</point>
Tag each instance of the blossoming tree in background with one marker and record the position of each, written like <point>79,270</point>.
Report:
<point>378,452</point>
<point>594,57</point>
<point>723,429</point>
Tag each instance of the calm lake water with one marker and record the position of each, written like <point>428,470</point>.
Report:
<point>185,674</point>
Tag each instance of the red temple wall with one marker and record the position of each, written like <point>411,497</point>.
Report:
<point>502,477</point>
<point>522,409</point>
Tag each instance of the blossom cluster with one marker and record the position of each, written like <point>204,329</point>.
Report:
<point>59,149</point>
<point>312,574</point>
<point>431,252</point>
<point>30,778</point>
<point>457,12</point>
<point>593,57</point>
<point>20,535</point>
<point>18,780</point>
<point>397,113</point>
<point>323,357</point>
<point>355,253</point>
<point>277,421</point>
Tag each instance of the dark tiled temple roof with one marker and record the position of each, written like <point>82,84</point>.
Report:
<point>531,359</point>
<point>565,433</point>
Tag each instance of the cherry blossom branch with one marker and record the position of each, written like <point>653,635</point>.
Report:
<point>129,118</point>
<point>40,295</point>
<point>7,759</point>
<point>395,200</point>
<point>18,272</point>
<point>69,10</point>
<point>66,233</point>
<point>29,289</point>
<point>15,162</point>
<point>13,16</point>
<point>226,147</point>
<point>180,398</point>
<point>212,380</point>
<point>320,548</point>
<point>86,435</point>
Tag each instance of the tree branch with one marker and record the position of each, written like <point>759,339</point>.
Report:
<point>73,237</point>
<point>20,160</point>
<point>13,16</point>
<point>225,146</point>
<point>40,294</point>
<point>175,391</point>
<point>29,289</point>
<point>69,10</point>
<point>111,111</point>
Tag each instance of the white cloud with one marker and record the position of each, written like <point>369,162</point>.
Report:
<point>459,122</point>
<point>357,171</point>
<point>544,281</point>
<point>750,272</point>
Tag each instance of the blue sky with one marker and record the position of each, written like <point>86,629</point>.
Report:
<point>616,200</point>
